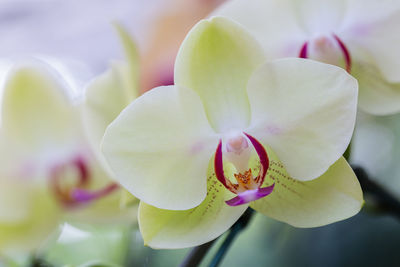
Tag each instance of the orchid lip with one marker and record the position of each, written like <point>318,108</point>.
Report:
<point>345,51</point>
<point>248,188</point>
<point>77,194</point>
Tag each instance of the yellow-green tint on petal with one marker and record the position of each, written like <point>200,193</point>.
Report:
<point>106,97</point>
<point>304,110</point>
<point>334,196</point>
<point>159,148</point>
<point>216,60</point>
<point>181,229</point>
<point>30,232</point>
<point>131,52</point>
<point>109,93</point>
<point>36,111</point>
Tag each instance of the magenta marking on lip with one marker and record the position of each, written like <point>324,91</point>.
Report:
<point>304,51</point>
<point>242,189</point>
<point>262,154</point>
<point>219,166</point>
<point>345,52</point>
<point>250,195</point>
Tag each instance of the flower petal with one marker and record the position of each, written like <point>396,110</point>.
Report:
<point>305,111</point>
<point>181,229</point>
<point>36,113</point>
<point>106,97</point>
<point>381,39</point>
<point>273,23</point>
<point>377,95</point>
<point>334,196</point>
<point>159,148</point>
<point>216,60</point>
<point>30,232</point>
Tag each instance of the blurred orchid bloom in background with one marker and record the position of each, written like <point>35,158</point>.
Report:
<point>49,172</point>
<point>359,35</point>
<point>268,125</point>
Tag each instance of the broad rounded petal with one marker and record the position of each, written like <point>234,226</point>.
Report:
<point>317,16</point>
<point>377,95</point>
<point>381,40</point>
<point>31,231</point>
<point>216,60</point>
<point>181,229</point>
<point>159,148</point>
<point>361,12</point>
<point>36,111</point>
<point>274,24</point>
<point>304,110</point>
<point>334,196</point>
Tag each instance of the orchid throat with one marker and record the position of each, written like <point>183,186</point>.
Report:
<point>248,188</point>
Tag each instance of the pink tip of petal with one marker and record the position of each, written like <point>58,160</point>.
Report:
<point>250,195</point>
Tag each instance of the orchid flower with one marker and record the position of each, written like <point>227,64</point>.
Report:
<point>235,132</point>
<point>359,35</point>
<point>48,170</point>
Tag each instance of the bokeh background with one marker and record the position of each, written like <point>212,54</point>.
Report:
<point>78,38</point>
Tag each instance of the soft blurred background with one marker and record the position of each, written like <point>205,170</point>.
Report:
<point>77,36</point>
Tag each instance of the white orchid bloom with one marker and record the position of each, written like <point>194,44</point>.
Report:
<point>359,35</point>
<point>232,132</point>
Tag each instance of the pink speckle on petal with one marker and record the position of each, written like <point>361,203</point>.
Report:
<point>274,130</point>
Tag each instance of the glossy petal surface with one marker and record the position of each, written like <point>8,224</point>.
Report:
<point>334,196</point>
<point>216,60</point>
<point>180,229</point>
<point>159,148</point>
<point>303,109</point>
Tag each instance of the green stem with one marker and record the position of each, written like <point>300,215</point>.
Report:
<point>196,255</point>
<point>233,233</point>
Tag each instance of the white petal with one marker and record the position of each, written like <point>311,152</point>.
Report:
<point>159,148</point>
<point>274,24</point>
<point>377,95</point>
<point>216,60</point>
<point>381,40</point>
<point>304,110</point>
<point>181,229</point>
<point>334,196</point>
